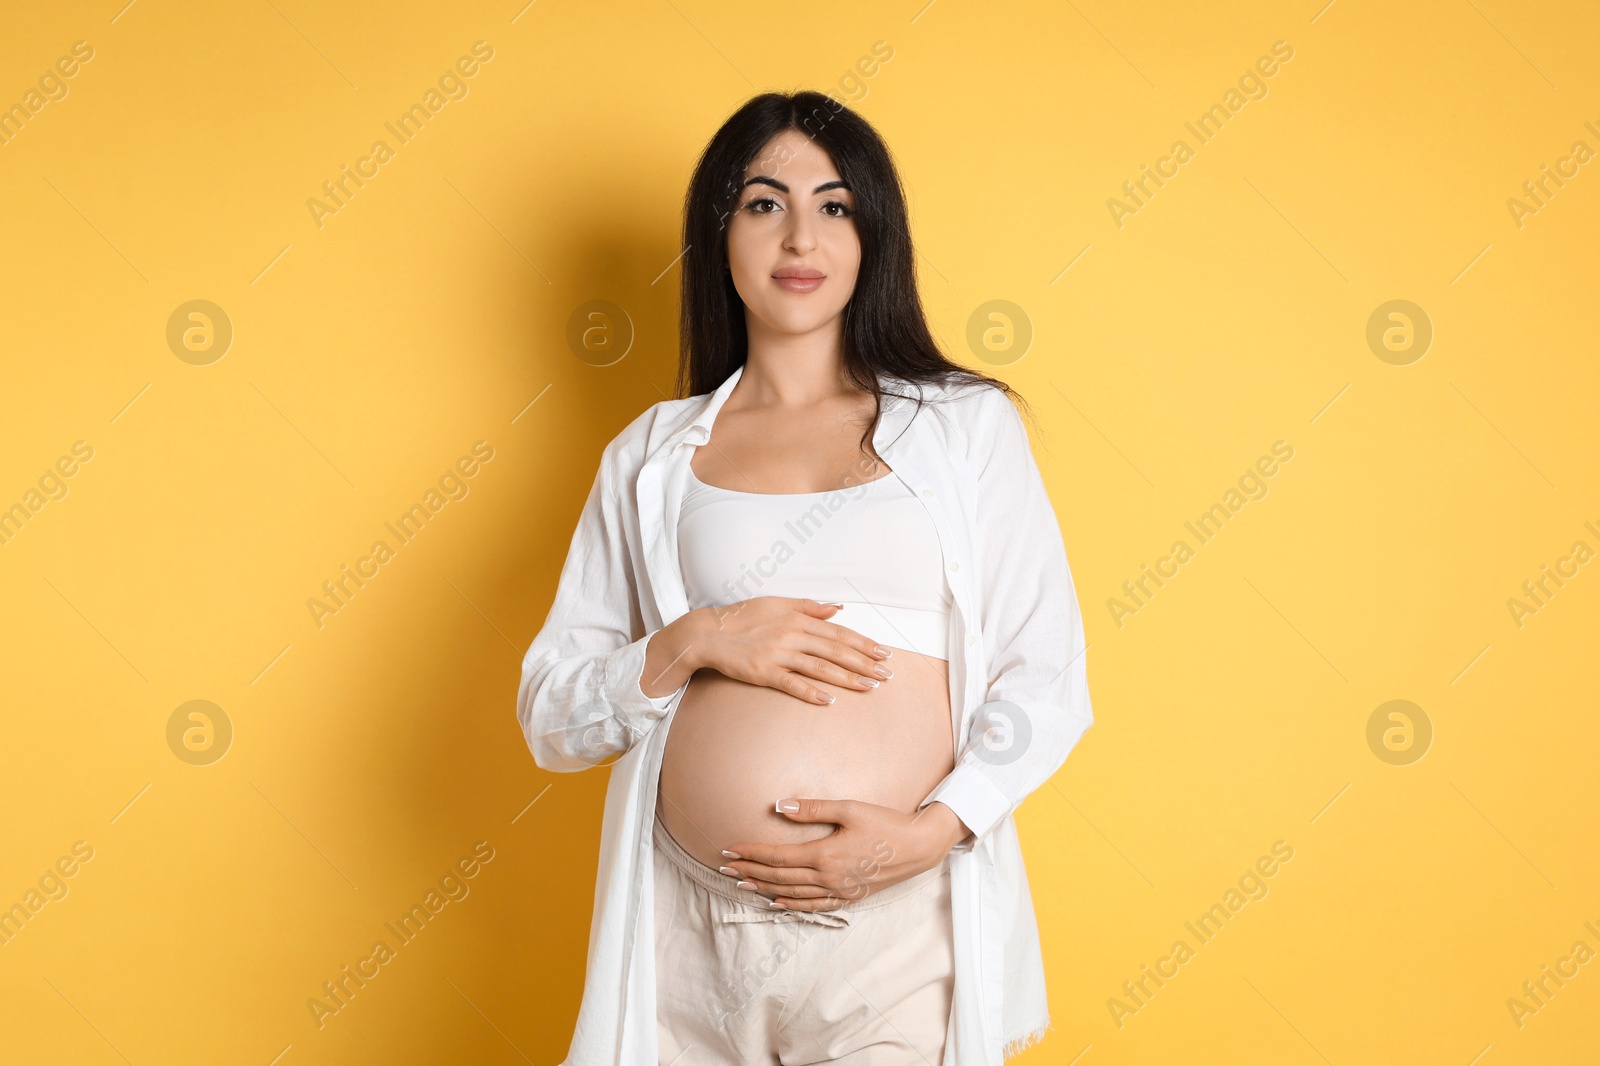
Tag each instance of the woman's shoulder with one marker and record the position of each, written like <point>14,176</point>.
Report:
<point>626,451</point>
<point>973,410</point>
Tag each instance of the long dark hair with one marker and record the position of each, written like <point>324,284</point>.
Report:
<point>885,329</point>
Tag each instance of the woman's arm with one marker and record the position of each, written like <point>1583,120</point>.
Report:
<point>1037,701</point>
<point>581,699</point>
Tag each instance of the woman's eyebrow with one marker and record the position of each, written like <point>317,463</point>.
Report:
<point>761,179</point>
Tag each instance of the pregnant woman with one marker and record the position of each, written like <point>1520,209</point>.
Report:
<point>820,611</point>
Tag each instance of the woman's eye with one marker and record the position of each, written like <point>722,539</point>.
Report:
<point>834,208</point>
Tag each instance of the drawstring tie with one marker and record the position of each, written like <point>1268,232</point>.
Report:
<point>836,919</point>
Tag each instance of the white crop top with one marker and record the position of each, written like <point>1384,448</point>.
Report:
<point>871,547</point>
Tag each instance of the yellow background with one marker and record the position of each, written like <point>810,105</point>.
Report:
<point>372,752</point>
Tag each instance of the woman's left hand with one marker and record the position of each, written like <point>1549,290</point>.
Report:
<point>873,848</point>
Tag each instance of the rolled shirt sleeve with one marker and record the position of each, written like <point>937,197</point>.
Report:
<point>580,702</point>
<point>662,703</point>
<point>1036,704</point>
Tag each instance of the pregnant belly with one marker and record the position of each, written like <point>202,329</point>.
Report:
<point>735,749</point>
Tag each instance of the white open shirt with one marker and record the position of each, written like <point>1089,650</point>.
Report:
<point>1019,693</point>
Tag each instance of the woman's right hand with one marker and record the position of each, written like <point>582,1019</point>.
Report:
<point>786,643</point>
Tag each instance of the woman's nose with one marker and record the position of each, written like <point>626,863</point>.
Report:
<point>800,237</point>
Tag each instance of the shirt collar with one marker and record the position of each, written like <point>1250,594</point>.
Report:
<point>698,429</point>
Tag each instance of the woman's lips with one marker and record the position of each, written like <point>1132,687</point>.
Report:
<point>793,284</point>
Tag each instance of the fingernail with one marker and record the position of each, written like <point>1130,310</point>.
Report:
<point>788,807</point>
<point>776,906</point>
<point>831,697</point>
<point>883,671</point>
<point>839,605</point>
<point>881,650</point>
<point>869,681</point>
<point>727,870</point>
<point>731,855</point>
<point>749,885</point>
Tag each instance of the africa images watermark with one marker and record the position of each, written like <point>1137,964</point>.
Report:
<point>1252,889</point>
<point>1538,592</point>
<point>852,82</point>
<point>52,488</point>
<point>1537,993</point>
<point>52,87</point>
<point>817,509</point>
<point>1538,192</point>
<point>736,992</point>
<point>1251,86</point>
<point>53,888</point>
<point>339,992</point>
<point>452,85</point>
<point>1252,486</point>
<point>453,486</point>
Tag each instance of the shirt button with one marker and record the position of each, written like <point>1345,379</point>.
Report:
<point>954,566</point>
<point>927,494</point>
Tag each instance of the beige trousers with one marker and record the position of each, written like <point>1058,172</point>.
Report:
<point>739,984</point>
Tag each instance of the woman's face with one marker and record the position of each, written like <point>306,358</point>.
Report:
<point>793,214</point>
